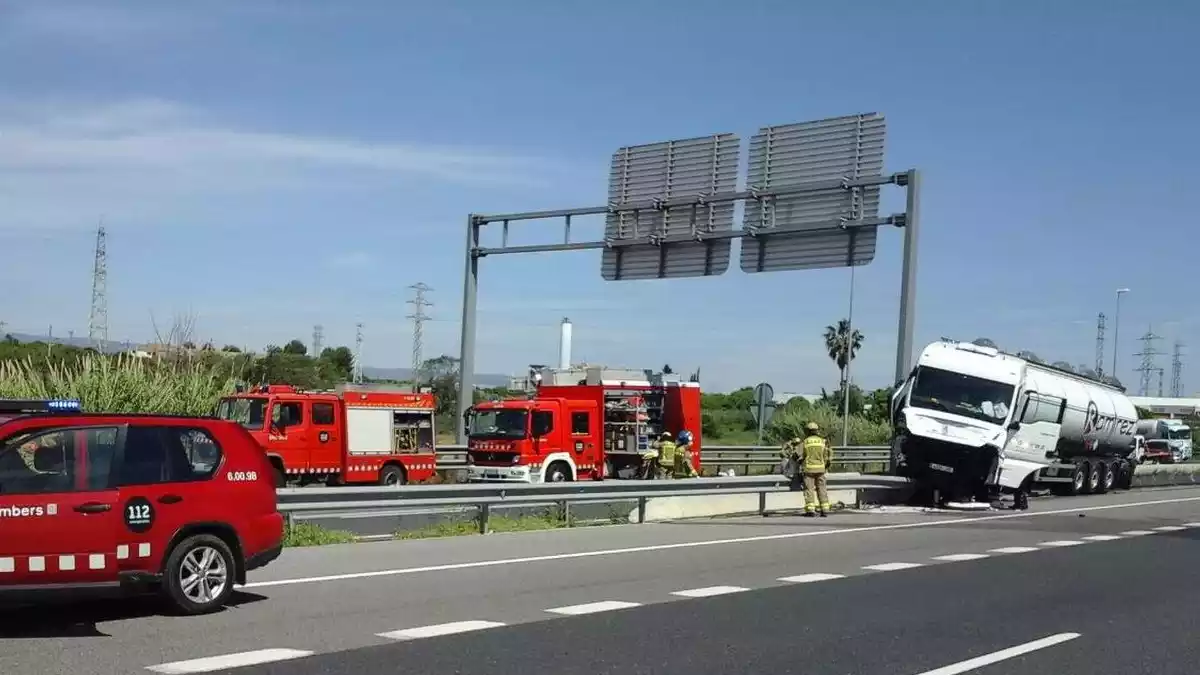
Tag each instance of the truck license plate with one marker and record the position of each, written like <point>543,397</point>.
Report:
<point>941,467</point>
<point>491,474</point>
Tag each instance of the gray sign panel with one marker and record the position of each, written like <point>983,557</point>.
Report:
<point>668,246</point>
<point>800,231</point>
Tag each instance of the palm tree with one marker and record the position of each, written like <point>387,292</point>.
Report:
<point>843,344</point>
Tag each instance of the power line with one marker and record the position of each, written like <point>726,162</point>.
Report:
<point>358,341</point>
<point>419,318</point>
<point>1100,325</point>
<point>1148,354</point>
<point>98,317</point>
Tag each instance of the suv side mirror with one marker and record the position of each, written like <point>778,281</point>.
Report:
<point>1014,425</point>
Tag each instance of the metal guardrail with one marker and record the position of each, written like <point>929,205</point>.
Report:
<point>483,496</point>
<point>451,457</point>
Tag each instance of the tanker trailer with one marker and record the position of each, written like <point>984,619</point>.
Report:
<point>972,422</point>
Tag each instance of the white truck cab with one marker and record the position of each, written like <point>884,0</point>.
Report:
<point>971,421</point>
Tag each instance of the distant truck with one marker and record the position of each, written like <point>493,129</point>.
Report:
<point>972,422</point>
<point>354,435</point>
<point>1173,436</point>
<point>579,424</point>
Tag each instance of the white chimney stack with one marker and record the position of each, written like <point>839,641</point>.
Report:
<point>564,345</point>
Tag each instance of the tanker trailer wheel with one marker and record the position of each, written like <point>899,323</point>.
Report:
<point>1106,478</point>
<point>392,476</point>
<point>1077,484</point>
<point>1093,478</point>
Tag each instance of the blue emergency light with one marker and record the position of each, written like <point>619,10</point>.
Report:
<point>34,407</point>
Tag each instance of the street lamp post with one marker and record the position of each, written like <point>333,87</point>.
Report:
<point>1117,331</point>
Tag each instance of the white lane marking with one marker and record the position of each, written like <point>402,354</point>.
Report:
<point>1191,524</point>
<point>710,591</point>
<point>593,607</point>
<point>960,557</point>
<point>1170,528</point>
<point>1014,549</point>
<point>892,567</point>
<point>1002,655</point>
<point>439,629</point>
<point>1103,537</point>
<point>1061,542</point>
<point>1136,533</point>
<point>709,542</point>
<point>212,663</point>
<point>810,578</point>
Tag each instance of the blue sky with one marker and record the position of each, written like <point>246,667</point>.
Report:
<point>272,165</point>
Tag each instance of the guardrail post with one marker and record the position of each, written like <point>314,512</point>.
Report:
<point>564,511</point>
<point>641,510</point>
<point>485,512</point>
<point>762,503</point>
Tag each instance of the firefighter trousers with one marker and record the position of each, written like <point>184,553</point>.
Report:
<point>814,489</point>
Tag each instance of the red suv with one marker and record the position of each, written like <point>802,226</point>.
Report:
<point>184,505</point>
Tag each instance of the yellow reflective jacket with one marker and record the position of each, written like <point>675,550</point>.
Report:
<point>815,455</point>
<point>666,453</point>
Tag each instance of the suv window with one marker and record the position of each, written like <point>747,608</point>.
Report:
<point>168,455</point>
<point>38,462</point>
<point>579,423</point>
<point>322,414</point>
<point>292,412</point>
<point>101,443</point>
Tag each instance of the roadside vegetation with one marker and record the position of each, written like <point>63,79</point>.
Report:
<point>306,534</point>
<point>177,375</point>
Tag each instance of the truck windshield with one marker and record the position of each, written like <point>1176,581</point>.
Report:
<point>248,412</point>
<point>499,423</point>
<point>960,394</point>
<point>1179,434</point>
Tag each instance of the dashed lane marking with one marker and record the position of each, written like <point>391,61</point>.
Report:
<point>1103,537</point>
<point>1170,528</point>
<point>810,578</point>
<point>1002,655</point>
<point>961,557</point>
<point>711,542</point>
<point>593,607</point>
<point>1191,524</point>
<point>1061,543</point>
<point>892,567</point>
<point>1014,549</point>
<point>439,629</point>
<point>710,591</point>
<point>1136,533</point>
<point>227,661</point>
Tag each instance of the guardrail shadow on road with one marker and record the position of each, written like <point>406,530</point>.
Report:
<point>80,618</point>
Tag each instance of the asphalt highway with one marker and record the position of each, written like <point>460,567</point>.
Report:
<point>1081,585</point>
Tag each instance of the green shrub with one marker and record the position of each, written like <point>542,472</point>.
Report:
<point>789,423</point>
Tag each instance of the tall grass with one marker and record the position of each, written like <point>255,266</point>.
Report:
<point>790,423</point>
<point>121,384</point>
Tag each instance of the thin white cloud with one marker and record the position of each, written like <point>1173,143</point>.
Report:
<point>77,21</point>
<point>144,158</point>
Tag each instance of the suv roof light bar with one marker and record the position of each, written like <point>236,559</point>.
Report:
<point>40,406</point>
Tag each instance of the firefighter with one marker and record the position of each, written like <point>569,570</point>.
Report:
<point>815,458</point>
<point>666,456</point>
<point>649,468</point>
<point>683,456</point>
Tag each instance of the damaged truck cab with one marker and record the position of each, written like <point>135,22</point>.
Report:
<point>971,422</point>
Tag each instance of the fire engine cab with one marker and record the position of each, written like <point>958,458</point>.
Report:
<point>579,423</point>
<point>355,434</point>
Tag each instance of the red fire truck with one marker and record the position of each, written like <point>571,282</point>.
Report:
<point>356,434</point>
<point>580,423</point>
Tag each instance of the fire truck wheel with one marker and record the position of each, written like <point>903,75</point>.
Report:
<point>280,478</point>
<point>391,476</point>
<point>199,574</point>
<point>558,472</point>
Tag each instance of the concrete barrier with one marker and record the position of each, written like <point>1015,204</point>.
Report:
<point>1157,475</point>
<point>705,506</point>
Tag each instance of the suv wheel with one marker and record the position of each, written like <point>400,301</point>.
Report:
<point>199,573</point>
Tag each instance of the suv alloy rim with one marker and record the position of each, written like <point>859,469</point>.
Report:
<point>203,575</point>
